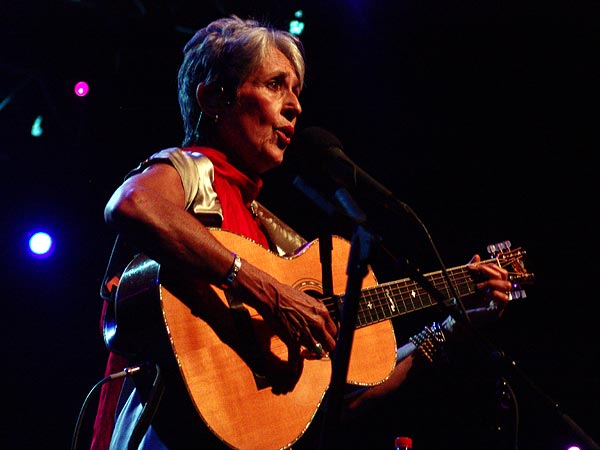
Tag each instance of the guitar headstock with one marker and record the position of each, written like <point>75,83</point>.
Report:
<point>512,261</point>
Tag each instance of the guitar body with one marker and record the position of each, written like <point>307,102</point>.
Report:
<point>247,404</point>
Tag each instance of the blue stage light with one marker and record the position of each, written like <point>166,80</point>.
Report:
<point>41,244</point>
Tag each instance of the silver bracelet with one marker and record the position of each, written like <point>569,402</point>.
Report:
<point>233,272</point>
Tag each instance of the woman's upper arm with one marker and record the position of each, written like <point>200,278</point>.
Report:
<point>161,179</point>
<point>146,190</point>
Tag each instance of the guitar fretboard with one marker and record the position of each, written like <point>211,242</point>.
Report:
<point>387,300</point>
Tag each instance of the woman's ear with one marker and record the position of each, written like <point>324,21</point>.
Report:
<point>210,98</point>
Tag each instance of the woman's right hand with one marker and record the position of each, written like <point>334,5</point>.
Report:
<point>300,321</point>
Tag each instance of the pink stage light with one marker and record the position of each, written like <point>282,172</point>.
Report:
<point>81,89</point>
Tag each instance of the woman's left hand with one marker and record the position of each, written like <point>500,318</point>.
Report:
<point>493,288</point>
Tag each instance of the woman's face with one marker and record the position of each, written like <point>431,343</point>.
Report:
<point>257,128</point>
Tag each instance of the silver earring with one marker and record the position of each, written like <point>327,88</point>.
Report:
<point>197,129</point>
<point>216,118</point>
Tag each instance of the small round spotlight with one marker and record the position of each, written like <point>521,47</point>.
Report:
<point>81,89</point>
<point>41,244</point>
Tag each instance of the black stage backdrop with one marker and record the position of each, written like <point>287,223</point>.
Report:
<point>480,116</point>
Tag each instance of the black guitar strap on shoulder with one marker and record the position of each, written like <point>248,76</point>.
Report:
<point>116,264</point>
<point>119,258</point>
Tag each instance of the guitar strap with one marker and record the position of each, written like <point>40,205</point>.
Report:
<point>283,239</point>
<point>119,258</point>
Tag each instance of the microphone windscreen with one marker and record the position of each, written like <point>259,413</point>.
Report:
<point>309,149</point>
<point>315,140</point>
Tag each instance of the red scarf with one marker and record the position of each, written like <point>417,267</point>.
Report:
<point>235,191</point>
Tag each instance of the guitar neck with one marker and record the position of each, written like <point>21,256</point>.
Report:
<point>396,298</point>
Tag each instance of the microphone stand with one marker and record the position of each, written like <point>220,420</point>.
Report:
<point>361,249</point>
<point>325,251</point>
<point>362,244</point>
<point>325,240</point>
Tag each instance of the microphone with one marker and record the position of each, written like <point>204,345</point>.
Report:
<point>318,152</point>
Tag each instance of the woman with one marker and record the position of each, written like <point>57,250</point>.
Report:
<point>239,88</point>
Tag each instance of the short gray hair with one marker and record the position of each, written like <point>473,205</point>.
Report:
<point>225,53</point>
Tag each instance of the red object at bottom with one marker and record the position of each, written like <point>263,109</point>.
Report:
<point>403,443</point>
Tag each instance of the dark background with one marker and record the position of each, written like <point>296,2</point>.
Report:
<point>481,116</point>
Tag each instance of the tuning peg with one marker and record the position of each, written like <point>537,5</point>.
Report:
<point>499,247</point>
<point>516,294</point>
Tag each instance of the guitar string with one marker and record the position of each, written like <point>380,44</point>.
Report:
<point>414,294</point>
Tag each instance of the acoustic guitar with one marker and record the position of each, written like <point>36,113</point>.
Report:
<point>240,381</point>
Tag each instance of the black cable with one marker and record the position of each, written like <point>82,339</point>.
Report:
<point>506,404</point>
<point>113,376</point>
<point>458,300</point>
<point>516,415</point>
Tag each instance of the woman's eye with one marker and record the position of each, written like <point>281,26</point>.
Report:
<point>274,84</point>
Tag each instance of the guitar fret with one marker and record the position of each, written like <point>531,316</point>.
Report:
<point>391,303</point>
<point>383,308</point>
<point>417,294</point>
<point>373,305</point>
<point>401,309</point>
<point>439,282</point>
<point>362,319</point>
